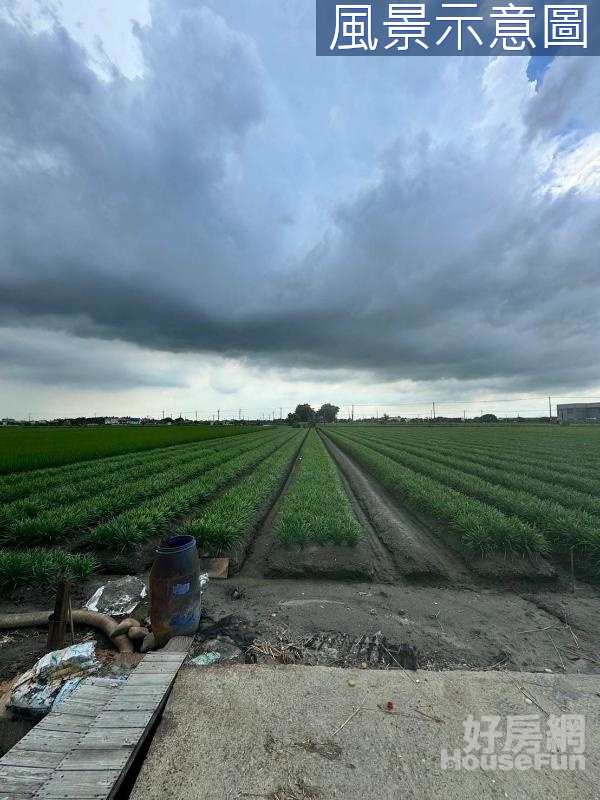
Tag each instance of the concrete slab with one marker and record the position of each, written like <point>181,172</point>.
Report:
<point>288,732</point>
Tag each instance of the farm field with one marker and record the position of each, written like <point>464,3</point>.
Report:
<point>39,447</point>
<point>527,491</point>
<point>58,522</point>
<point>287,498</point>
<point>455,540</point>
<point>316,508</point>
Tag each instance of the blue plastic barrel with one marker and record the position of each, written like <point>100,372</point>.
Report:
<point>175,599</point>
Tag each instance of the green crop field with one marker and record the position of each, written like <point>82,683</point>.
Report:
<point>316,509</point>
<point>521,490</point>
<point>509,489</point>
<point>38,447</point>
<point>55,522</point>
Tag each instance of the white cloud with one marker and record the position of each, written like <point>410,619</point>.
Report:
<point>578,168</point>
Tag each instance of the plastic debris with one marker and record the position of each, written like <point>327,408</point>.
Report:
<point>118,598</point>
<point>203,579</point>
<point>225,647</point>
<point>66,690</point>
<point>215,568</point>
<point>205,659</point>
<point>352,684</point>
<point>35,692</point>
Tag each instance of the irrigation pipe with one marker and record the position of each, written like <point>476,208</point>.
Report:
<point>80,617</point>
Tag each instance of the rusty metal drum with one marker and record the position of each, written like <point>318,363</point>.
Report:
<point>175,598</point>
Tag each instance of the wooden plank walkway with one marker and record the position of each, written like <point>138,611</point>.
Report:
<point>82,751</point>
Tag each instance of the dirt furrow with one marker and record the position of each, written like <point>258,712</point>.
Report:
<point>413,551</point>
<point>257,554</point>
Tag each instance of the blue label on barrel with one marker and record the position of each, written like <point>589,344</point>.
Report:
<point>180,589</point>
<point>191,619</point>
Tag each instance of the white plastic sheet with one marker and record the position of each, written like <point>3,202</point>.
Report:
<point>37,689</point>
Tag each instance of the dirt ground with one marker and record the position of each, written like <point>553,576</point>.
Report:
<point>451,628</point>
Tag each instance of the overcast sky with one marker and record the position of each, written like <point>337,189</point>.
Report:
<point>198,213</point>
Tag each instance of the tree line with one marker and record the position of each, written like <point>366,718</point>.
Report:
<point>305,413</point>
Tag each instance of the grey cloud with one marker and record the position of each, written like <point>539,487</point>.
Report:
<point>32,356</point>
<point>135,210</point>
<point>568,96</point>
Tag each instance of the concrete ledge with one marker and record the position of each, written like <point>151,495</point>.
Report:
<point>248,731</point>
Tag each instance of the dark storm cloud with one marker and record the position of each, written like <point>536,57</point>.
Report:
<point>135,210</point>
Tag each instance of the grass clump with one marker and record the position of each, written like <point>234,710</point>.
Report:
<point>39,567</point>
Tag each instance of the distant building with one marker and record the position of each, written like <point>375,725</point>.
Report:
<point>578,412</point>
<point>111,421</point>
<point>7,421</point>
<point>135,421</point>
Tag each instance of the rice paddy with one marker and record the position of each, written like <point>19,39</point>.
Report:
<point>39,447</point>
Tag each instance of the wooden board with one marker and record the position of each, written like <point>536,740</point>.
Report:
<point>82,751</point>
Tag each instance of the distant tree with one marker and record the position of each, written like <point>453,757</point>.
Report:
<point>327,413</point>
<point>385,419</point>
<point>488,418</point>
<point>304,413</point>
<point>292,419</point>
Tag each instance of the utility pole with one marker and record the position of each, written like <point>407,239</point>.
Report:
<point>434,411</point>
<point>464,416</point>
<point>353,413</point>
<point>550,406</point>
<point>280,412</point>
<point>219,415</point>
